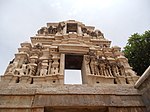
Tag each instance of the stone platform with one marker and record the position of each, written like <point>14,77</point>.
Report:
<point>69,98</point>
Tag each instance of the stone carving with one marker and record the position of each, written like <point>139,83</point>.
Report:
<point>31,69</point>
<point>43,31</point>
<point>23,70</point>
<point>87,59</point>
<point>108,70</point>
<point>38,68</point>
<point>45,57</point>
<point>115,70</point>
<point>97,33</point>
<point>44,66</point>
<point>52,29</point>
<point>43,71</point>
<point>11,67</point>
<point>121,69</point>
<point>38,46</point>
<point>60,27</point>
<point>102,67</point>
<point>32,66</point>
<point>49,66</point>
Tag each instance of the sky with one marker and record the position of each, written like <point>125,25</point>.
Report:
<point>117,19</point>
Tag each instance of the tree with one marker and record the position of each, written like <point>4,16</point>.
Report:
<point>137,50</point>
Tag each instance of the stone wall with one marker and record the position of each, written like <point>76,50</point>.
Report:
<point>143,85</point>
<point>44,97</point>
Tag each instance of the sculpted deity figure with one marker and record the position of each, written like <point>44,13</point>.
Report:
<point>43,71</point>
<point>23,70</point>
<point>11,67</point>
<point>87,60</point>
<point>121,69</point>
<point>43,30</point>
<point>102,66</point>
<point>108,70</point>
<point>50,30</point>
<point>115,70</point>
<point>38,69</point>
<point>94,66</point>
<point>60,27</point>
<point>32,67</point>
<point>99,34</point>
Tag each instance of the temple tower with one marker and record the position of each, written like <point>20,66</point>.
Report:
<point>34,79</point>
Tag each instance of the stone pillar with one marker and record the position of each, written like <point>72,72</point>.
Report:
<point>65,30</point>
<point>62,64</point>
<point>61,69</point>
<point>85,69</point>
<point>49,67</point>
<point>55,64</point>
<point>79,30</point>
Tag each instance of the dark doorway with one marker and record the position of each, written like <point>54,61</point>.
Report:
<point>75,109</point>
<point>73,61</point>
<point>72,27</point>
<point>73,65</point>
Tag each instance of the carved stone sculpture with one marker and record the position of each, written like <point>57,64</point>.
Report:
<point>11,67</point>
<point>94,66</point>
<point>43,31</point>
<point>115,70</point>
<point>43,71</point>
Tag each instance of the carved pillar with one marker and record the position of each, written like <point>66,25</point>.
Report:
<point>79,30</point>
<point>65,29</point>
<point>44,67</point>
<point>85,69</point>
<point>49,67</point>
<point>62,64</point>
<point>55,64</point>
<point>32,66</point>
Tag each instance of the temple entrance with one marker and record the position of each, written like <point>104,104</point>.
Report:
<point>75,109</point>
<point>73,65</point>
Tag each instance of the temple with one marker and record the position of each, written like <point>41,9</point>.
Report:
<point>34,79</point>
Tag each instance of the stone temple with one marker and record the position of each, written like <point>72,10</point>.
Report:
<point>34,79</point>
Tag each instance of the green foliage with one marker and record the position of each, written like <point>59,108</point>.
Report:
<point>137,51</point>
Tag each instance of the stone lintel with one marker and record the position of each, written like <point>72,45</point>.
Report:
<point>79,49</point>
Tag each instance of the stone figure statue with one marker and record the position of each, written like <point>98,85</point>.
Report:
<point>108,70</point>
<point>31,69</point>
<point>38,46</point>
<point>94,66</point>
<point>43,71</point>
<point>87,60</point>
<point>121,69</point>
<point>114,69</point>
<point>38,69</point>
<point>102,66</point>
<point>23,70</point>
<point>43,30</point>
<point>50,30</point>
<point>11,67</point>
<point>84,30</point>
<point>60,27</point>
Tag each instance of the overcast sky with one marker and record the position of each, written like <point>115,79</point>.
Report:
<point>117,19</point>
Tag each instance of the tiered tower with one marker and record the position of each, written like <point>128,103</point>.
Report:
<point>34,79</point>
<point>72,45</point>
